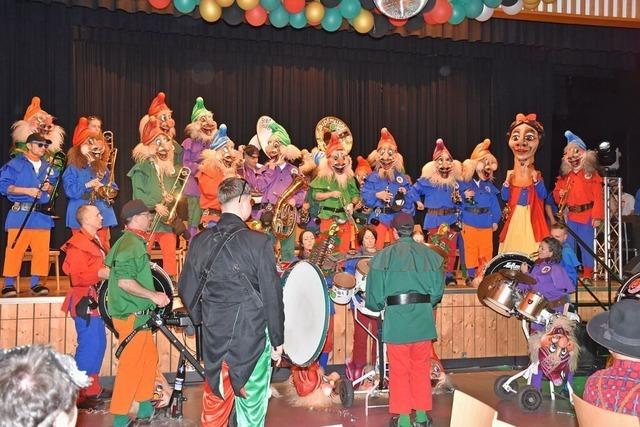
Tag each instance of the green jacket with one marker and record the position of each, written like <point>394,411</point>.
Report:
<point>324,185</point>
<point>405,267</point>
<point>146,186</point>
<point>128,259</point>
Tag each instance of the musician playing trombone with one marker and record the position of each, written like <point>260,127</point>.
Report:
<point>26,179</point>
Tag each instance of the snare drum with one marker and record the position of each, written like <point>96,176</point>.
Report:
<point>500,294</point>
<point>509,261</point>
<point>362,270</point>
<point>532,305</point>
<point>344,287</point>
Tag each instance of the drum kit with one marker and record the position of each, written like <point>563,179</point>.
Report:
<point>498,289</point>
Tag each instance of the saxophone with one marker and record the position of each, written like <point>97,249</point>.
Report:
<point>284,215</point>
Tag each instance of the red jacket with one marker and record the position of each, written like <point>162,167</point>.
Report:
<point>582,190</point>
<point>83,260</point>
<point>208,181</point>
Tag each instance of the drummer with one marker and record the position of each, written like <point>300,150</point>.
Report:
<point>355,365</point>
<point>553,283</point>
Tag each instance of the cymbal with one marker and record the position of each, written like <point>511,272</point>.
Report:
<point>518,276</point>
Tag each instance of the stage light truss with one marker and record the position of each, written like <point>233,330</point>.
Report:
<point>608,241</point>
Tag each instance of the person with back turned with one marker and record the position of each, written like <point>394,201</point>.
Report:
<point>406,280</point>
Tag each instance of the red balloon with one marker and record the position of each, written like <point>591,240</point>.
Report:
<point>428,18</point>
<point>293,6</point>
<point>160,4</point>
<point>398,22</point>
<point>256,16</point>
<point>441,12</point>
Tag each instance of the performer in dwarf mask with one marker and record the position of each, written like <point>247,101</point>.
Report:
<point>219,162</point>
<point>200,133</point>
<point>152,178</point>
<point>523,189</point>
<point>578,190</point>
<point>336,192</point>
<point>87,171</point>
<point>439,187</point>
<point>386,190</point>
<point>163,114</point>
<point>36,120</point>
<point>480,207</point>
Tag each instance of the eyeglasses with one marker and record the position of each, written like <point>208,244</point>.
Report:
<point>41,144</point>
<point>244,187</point>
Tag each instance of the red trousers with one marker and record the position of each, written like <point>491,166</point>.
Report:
<point>385,235</point>
<point>344,234</point>
<point>216,411</point>
<point>409,377</point>
<point>360,335</point>
<point>452,243</point>
<point>167,242</point>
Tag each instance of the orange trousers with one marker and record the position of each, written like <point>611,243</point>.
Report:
<point>344,234</point>
<point>385,235</point>
<point>38,241</point>
<point>136,368</point>
<point>478,245</point>
<point>216,411</point>
<point>167,242</point>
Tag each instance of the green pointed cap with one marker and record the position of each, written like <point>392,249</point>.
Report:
<point>199,109</point>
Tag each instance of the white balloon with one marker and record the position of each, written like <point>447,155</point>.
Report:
<point>487,12</point>
<point>513,10</point>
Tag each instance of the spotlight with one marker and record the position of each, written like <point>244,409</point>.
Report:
<point>609,158</point>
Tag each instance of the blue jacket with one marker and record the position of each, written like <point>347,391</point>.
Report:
<point>570,262</point>
<point>486,196</point>
<point>20,172</point>
<point>74,180</point>
<point>436,197</point>
<point>374,183</point>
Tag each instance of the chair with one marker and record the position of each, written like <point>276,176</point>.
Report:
<point>469,411</point>
<point>54,258</point>
<point>591,416</point>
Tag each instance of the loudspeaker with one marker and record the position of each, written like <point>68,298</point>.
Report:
<point>632,267</point>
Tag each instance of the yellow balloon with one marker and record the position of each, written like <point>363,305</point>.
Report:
<point>531,4</point>
<point>314,13</point>
<point>249,4</point>
<point>225,3</point>
<point>363,23</point>
<point>210,10</point>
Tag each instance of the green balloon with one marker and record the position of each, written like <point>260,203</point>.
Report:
<point>184,6</point>
<point>457,14</point>
<point>492,3</point>
<point>350,8</point>
<point>332,19</point>
<point>270,5</point>
<point>473,8</point>
<point>279,18</point>
<point>298,20</point>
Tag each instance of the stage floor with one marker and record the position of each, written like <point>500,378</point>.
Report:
<point>281,413</point>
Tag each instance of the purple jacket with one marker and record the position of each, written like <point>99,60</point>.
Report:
<point>272,182</point>
<point>191,156</point>
<point>553,281</point>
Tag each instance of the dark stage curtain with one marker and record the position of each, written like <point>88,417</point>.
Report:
<point>83,61</point>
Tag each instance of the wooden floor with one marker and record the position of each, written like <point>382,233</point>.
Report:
<point>281,413</point>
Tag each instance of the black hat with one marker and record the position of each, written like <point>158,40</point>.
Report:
<point>36,137</point>
<point>617,329</point>
<point>402,221</point>
<point>134,207</point>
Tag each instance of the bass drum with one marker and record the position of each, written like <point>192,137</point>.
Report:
<point>630,289</point>
<point>306,313</point>
<point>162,283</point>
<point>508,261</point>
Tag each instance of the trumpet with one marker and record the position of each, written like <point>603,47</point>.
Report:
<point>108,192</point>
<point>174,195</point>
<point>562,205</point>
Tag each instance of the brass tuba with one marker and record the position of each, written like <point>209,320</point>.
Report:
<point>176,195</point>
<point>284,215</point>
<point>108,192</point>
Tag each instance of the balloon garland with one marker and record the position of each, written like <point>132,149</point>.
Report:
<point>331,15</point>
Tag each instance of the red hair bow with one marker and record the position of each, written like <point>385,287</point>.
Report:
<point>531,117</point>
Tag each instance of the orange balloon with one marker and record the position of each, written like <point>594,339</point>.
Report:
<point>363,23</point>
<point>210,10</point>
<point>314,13</point>
<point>225,3</point>
<point>248,4</point>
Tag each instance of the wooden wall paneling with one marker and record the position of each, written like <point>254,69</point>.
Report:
<point>8,325</point>
<point>470,332</point>
<point>41,323</point>
<point>491,337</point>
<point>71,339</point>
<point>25,324</point>
<point>457,327</point>
<point>437,313</point>
<point>446,335</point>
<point>480,323</point>
<point>503,335</point>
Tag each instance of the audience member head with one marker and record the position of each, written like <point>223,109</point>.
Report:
<point>550,250</point>
<point>95,124</point>
<point>307,239</point>
<point>367,238</point>
<point>234,195</point>
<point>402,223</point>
<point>617,329</point>
<point>89,218</point>
<point>251,156</point>
<point>136,215</point>
<point>39,387</point>
<point>559,232</point>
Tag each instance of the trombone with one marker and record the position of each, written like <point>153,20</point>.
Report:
<point>176,194</point>
<point>107,192</point>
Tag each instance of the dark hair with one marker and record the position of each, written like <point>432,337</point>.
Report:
<point>558,226</point>
<point>36,386</point>
<point>556,249</point>
<point>231,188</point>
<point>535,124</point>
<point>302,235</point>
<point>36,137</point>
<point>251,150</point>
<point>364,230</point>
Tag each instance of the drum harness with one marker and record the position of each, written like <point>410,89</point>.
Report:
<point>204,275</point>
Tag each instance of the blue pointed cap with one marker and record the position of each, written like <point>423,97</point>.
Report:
<point>220,138</point>
<point>572,138</point>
